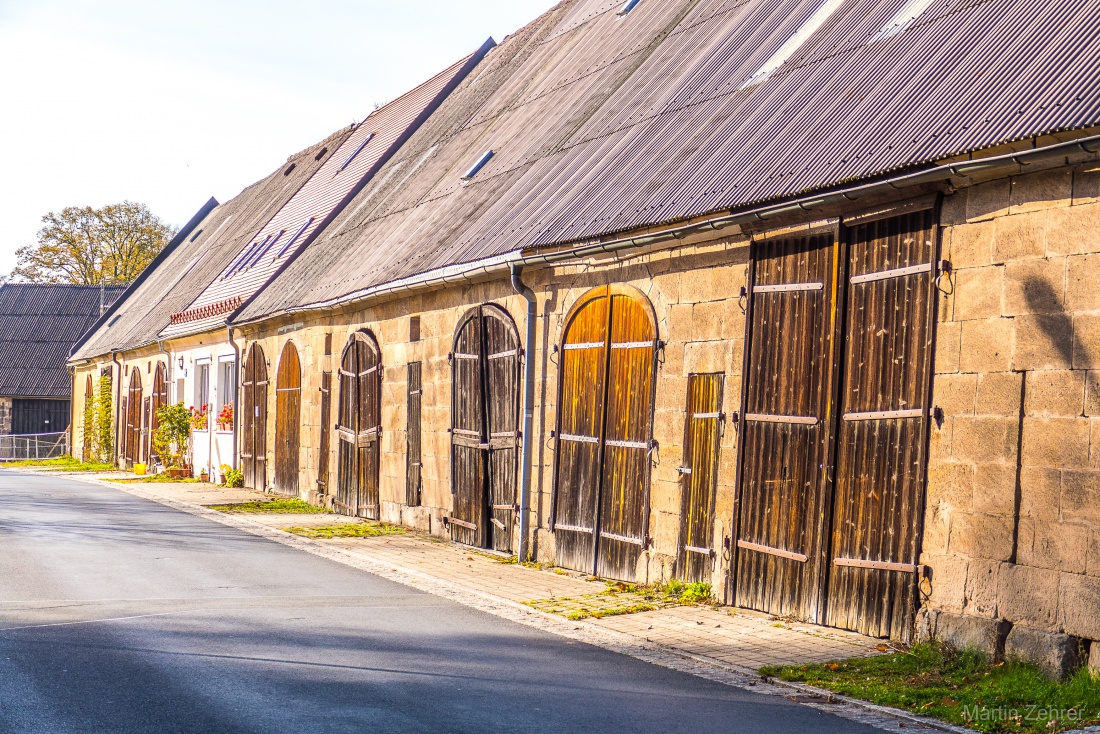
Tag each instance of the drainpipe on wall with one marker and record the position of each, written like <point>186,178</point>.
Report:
<point>236,393</point>
<point>117,376</point>
<point>528,413</point>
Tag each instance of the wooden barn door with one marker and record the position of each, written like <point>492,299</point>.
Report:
<point>605,424</point>
<point>485,432</point>
<point>359,427</point>
<point>133,419</point>
<point>699,476</point>
<point>157,400</point>
<point>787,426</point>
<point>253,418</point>
<point>288,415</point>
<point>89,420</point>
<point>884,423</point>
<point>413,453</point>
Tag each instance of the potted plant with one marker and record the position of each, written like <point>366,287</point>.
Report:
<point>225,418</point>
<point>204,476</point>
<point>172,439</point>
<point>200,417</point>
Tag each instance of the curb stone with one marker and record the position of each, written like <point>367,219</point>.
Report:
<point>863,712</point>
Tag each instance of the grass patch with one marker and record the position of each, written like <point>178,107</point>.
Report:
<point>349,530</point>
<point>961,687</point>
<point>609,611</point>
<point>65,463</point>
<point>286,506</point>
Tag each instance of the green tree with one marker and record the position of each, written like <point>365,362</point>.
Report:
<point>86,246</point>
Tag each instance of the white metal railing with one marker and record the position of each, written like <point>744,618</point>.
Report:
<point>34,446</point>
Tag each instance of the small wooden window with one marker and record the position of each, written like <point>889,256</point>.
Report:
<point>414,329</point>
<point>413,472</point>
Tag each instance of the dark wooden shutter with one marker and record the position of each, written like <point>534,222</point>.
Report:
<point>699,476</point>
<point>468,439</point>
<point>884,423</point>
<point>288,413</point>
<point>501,365</point>
<point>370,425</point>
<point>254,419</point>
<point>787,426</point>
<point>133,419</point>
<point>324,442</point>
<point>412,436</point>
<point>347,428</point>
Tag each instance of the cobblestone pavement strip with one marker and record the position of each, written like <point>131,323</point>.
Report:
<point>718,644</point>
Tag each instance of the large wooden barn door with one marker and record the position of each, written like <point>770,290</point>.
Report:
<point>156,401</point>
<point>253,417</point>
<point>359,427</point>
<point>605,424</point>
<point>884,421</point>
<point>133,419</point>
<point>787,426</point>
<point>485,431</point>
<point>699,476</point>
<point>288,414</point>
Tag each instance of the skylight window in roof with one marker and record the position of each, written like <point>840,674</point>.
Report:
<point>290,243</point>
<point>795,42</point>
<point>240,261</point>
<point>630,5</point>
<point>909,12</point>
<point>357,151</point>
<point>267,246</point>
<point>479,165</point>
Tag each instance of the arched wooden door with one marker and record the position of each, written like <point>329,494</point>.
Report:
<point>485,428</point>
<point>605,433</point>
<point>254,419</point>
<point>133,419</point>
<point>288,413</point>
<point>359,427</point>
<point>157,400</point>
<point>89,419</point>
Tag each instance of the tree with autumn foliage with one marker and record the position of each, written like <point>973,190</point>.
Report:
<point>86,246</point>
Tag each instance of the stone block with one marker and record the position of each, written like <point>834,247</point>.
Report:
<point>671,392</point>
<point>955,393</point>
<point>1028,596</point>
<point>733,320</point>
<point>951,483</point>
<point>984,439</point>
<point>1042,190</point>
<point>1056,393</point>
<point>1073,230</point>
<point>948,582</point>
<point>988,200</point>
<point>1040,493</point>
<point>972,244</point>
<point>1080,605</point>
<point>1082,276</point>
<point>1044,342</point>
<point>1086,189</point>
<point>998,394</point>
<point>1061,443</point>
<point>1034,286</point>
<point>994,489</point>
<point>1057,546</point>
<point>706,357</point>
<point>1086,341</point>
<point>987,346</point>
<point>966,632</point>
<point>978,293</point>
<point>953,209</point>
<point>1019,237</point>
<point>926,624</point>
<point>1093,663</point>
<point>1055,653</point>
<point>939,444</point>
<point>679,322</point>
<point>1092,393</point>
<point>706,321</point>
<point>981,588</point>
<point>937,527</point>
<point>948,347</point>
<point>981,536</point>
<point>673,363</point>
<point>710,284</point>
<point>1081,496</point>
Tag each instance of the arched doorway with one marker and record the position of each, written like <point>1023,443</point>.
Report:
<point>605,432</point>
<point>288,412</point>
<point>359,427</point>
<point>132,437</point>
<point>254,419</point>
<point>89,419</point>
<point>157,400</point>
<point>484,428</point>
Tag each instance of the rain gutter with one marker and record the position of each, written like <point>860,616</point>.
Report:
<point>991,167</point>
<point>528,435</point>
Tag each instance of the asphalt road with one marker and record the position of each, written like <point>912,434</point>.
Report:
<point>122,615</point>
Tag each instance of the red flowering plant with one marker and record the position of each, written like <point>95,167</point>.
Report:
<point>200,417</point>
<point>225,418</point>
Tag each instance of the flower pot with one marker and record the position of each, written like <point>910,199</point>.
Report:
<point>175,473</point>
<point>185,473</point>
<point>139,470</point>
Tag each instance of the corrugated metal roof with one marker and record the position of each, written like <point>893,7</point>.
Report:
<point>603,124</point>
<point>202,256</point>
<point>39,323</point>
<point>369,145</point>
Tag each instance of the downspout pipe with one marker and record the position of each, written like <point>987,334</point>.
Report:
<point>527,445</point>
<point>236,392</point>
<point>118,404</point>
<point>72,406</point>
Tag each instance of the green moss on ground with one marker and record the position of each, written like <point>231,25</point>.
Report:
<point>65,463</point>
<point>348,530</point>
<point>286,506</point>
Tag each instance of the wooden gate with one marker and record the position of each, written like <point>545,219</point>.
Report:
<point>253,418</point>
<point>157,400</point>
<point>413,467</point>
<point>133,419</point>
<point>485,428</point>
<point>359,427</point>
<point>605,433</point>
<point>884,409</point>
<point>699,477</point>
<point>288,414</point>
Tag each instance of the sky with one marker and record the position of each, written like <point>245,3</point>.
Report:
<point>169,103</point>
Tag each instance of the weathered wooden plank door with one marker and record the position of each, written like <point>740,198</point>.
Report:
<point>157,400</point>
<point>89,419</point>
<point>501,365</point>
<point>288,414</point>
<point>884,424</point>
<point>133,419</point>
<point>253,417</point>
<point>324,442</point>
<point>787,426</point>
<point>605,424</point>
<point>359,427</point>
<point>699,476</point>
<point>413,473</point>
<point>470,502</point>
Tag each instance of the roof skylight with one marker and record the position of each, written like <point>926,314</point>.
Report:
<point>479,165</point>
<point>795,42</point>
<point>630,5</point>
<point>267,246</point>
<point>909,12</point>
<point>357,151</point>
<point>240,261</point>
<point>290,243</point>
